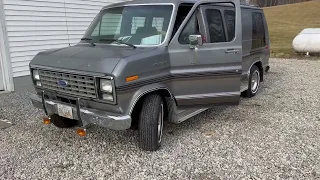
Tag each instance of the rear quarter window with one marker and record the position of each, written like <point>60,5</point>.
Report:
<point>258,31</point>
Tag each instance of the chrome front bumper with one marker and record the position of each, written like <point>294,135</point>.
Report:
<point>85,115</point>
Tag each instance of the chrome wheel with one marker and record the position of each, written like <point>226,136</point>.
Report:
<point>160,123</point>
<point>255,81</point>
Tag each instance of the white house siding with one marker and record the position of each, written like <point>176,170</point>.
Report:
<point>38,25</point>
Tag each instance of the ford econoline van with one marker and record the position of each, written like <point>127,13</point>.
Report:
<point>144,62</point>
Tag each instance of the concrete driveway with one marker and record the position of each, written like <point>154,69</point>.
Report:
<point>272,136</point>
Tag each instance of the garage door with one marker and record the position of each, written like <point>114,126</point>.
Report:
<point>38,25</point>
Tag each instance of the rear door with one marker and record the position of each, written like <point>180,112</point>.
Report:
<point>209,74</point>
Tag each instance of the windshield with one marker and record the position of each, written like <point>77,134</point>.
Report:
<point>136,25</point>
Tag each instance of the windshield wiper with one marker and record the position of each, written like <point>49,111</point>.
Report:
<point>88,40</point>
<point>120,42</point>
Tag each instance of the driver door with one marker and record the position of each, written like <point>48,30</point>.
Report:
<point>209,72</point>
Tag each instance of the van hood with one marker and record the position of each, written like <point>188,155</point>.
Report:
<point>87,58</point>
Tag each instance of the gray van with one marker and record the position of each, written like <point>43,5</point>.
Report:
<point>144,62</point>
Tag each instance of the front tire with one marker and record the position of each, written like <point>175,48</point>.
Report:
<point>254,82</point>
<point>151,123</point>
<point>62,122</point>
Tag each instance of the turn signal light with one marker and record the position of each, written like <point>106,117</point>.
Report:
<point>46,120</point>
<point>82,132</point>
<point>132,78</point>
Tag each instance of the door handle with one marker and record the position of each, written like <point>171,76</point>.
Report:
<point>234,51</point>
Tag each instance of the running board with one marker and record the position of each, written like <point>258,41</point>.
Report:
<point>186,114</point>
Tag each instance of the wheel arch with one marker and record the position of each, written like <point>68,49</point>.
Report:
<point>258,63</point>
<point>139,96</point>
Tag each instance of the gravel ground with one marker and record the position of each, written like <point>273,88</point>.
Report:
<point>272,136</point>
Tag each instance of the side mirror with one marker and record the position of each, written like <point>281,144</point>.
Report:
<point>195,40</point>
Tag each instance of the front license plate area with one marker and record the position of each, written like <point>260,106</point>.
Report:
<point>65,111</point>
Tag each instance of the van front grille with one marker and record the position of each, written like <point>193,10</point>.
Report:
<point>78,85</point>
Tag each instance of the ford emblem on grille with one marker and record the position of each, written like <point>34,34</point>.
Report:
<point>62,83</point>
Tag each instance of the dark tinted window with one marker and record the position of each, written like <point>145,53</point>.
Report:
<point>229,17</point>
<point>215,26</point>
<point>181,15</point>
<point>258,33</point>
<point>192,28</point>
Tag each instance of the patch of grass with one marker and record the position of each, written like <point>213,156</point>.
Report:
<point>287,21</point>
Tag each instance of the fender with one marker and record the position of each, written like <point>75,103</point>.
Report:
<point>255,61</point>
<point>145,90</point>
<point>245,81</point>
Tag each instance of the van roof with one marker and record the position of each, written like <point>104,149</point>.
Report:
<point>175,2</point>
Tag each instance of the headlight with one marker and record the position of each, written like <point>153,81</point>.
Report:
<point>106,86</point>
<point>107,90</point>
<point>108,97</point>
<point>38,83</point>
<point>36,75</point>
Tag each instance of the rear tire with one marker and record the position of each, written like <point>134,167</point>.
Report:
<point>151,123</point>
<point>62,122</point>
<point>254,82</point>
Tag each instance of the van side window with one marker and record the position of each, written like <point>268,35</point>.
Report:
<point>215,26</point>
<point>192,28</point>
<point>258,32</point>
<point>229,17</point>
<point>182,13</point>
